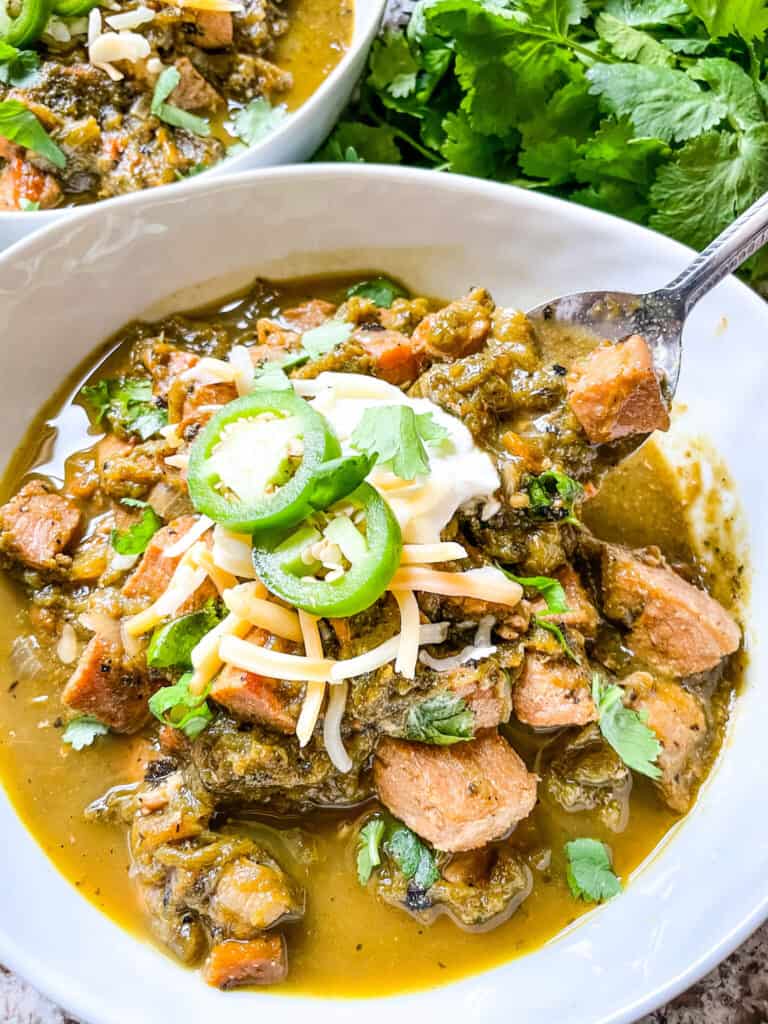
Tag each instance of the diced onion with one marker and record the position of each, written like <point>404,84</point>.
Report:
<point>247,602</point>
<point>334,744</point>
<point>424,554</point>
<point>177,461</point>
<point>209,371</point>
<point>408,648</point>
<point>275,664</point>
<point>185,542</point>
<point>242,366</point>
<point>483,634</point>
<point>232,552</point>
<point>101,623</point>
<point>315,692</point>
<point>205,656</point>
<point>486,584</point>
<point>66,648</point>
<point>430,633</point>
<point>112,46</point>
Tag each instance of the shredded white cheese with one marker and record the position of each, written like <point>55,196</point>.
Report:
<point>486,584</point>
<point>210,371</point>
<point>247,602</point>
<point>205,656</point>
<point>315,692</point>
<point>334,744</point>
<point>431,633</point>
<point>185,542</point>
<point>275,664</point>
<point>242,366</point>
<point>232,552</point>
<point>130,19</point>
<point>408,650</point>
<point>187,578</point>
<point>425,554</point>
<point>105,47</point>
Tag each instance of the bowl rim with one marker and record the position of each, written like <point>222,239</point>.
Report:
<point>367,16</point>
<point>737,927</point>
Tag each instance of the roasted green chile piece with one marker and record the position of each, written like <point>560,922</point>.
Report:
<point>291,501</point>
<point>281,564</point>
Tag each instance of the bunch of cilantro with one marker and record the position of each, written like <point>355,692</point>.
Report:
<point>654,110</point>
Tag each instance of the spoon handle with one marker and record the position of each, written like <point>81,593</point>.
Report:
<point>729,250</point>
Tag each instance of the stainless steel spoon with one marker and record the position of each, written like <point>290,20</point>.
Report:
<point>660,316</point>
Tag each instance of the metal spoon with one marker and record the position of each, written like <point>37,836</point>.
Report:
<point>660,316</point>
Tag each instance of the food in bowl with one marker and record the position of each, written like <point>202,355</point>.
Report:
<point>314,619</point>
<point>99,101</point>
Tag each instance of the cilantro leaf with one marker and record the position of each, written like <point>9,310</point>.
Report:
<point>414,859</point>
<point>18,124</point>
<point>647,13</point>
<point>441,720</point>
<point>320,340</point>
<point>734,87</point>
<point>590,874</point>
<point>747,18</point>
<point>625,729</point>
<point>712,180</point>
<point>135,539</point>
<point>127,404</point>
<point>380,290</point>
<point>631,43</point>
<point>559,635</point>
<point>18,67</point>
<point>550,589</point>
<point>392,65</point>
<point>361,143</point>
<point>552,495</point>
<point>369,848</point>
<point>257,120</point>
<point>660,102</point>
<point>166,83</point>
<point>177,707</point>
<point>172,644</point>
<point>397,435</point>
<point>81,732</point>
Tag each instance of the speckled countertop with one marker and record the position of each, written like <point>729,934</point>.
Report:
<point>734,993</point>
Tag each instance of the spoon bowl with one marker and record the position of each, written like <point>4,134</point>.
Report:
<point>660,316</point>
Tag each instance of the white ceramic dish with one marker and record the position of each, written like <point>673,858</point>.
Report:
<point>64,290</point>
<point>294,141</point>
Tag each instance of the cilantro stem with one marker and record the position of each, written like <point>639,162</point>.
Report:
<point>428,154</point>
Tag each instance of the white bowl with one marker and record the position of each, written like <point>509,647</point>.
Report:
<point>64,290</point>
<point>295,140</point>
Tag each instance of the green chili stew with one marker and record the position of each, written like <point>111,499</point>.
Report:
<point>339,657</point>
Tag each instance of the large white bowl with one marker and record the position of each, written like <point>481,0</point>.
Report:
<point>64,290</point>
<point>295,140</point>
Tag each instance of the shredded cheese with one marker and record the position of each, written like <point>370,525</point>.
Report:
<point>315,692</point>
<point>486,584</point>
<point>186,579</point>
<point>247,602</point>
<point>232,552</point>
<point>185,542</point>
<point>205,656</point>
<point>278,665</point>
<point>408,649</point>
<point>106,47</point>
<point>130,19</point>
<point>222,6</point>
<point>177,461</point>
<point>430,633</point>
<point>221,580</point>
<point>424,554</point>
<point>334,744</point>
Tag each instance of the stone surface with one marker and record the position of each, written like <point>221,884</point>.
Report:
<point>736,992</point>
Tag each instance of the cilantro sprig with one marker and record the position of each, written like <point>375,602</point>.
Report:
<point>653,110</point>
<point>626,730</point>
<point>177,707</point>
<point>414,859</point>
<point>254,122</point>
<point>18,124</point>
<point>442,720</point>
<point>83,731</point>
<point>381,290</point>
<point>397,435</point>
<point>590,872</point>
<point>135,539</point>
<point>166,83</point>
<point>127,404</point>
